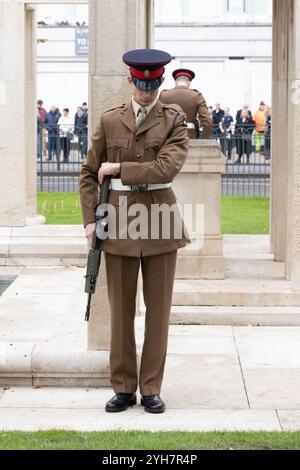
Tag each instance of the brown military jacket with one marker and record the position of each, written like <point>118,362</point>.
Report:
<point>193,104</point>
<point>154,153</point>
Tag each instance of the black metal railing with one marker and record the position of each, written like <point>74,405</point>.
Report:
<point>61,152</point>
<point>248,166</point>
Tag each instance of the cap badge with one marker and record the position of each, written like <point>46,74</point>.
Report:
<point>146,73</point>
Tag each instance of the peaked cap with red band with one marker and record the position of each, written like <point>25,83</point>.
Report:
<point>146,67</point>
<point>183,73</point>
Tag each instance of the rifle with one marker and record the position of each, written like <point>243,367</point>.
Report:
<point>94,256</point>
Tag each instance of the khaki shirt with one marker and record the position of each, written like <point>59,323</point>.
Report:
<point>154,153</point>
<point>193,105</point>
<point>136,106</point>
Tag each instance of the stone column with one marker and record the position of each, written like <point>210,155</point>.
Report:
<point>293,150</point>
<point>114,28</point>
<point>30,121</point>
<point>278,200</point>
<point>18,105</point>
<point>199,182</point>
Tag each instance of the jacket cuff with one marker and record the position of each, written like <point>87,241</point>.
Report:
<point>89,220</point>
<point>126,173</point>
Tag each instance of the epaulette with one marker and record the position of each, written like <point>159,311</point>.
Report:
<point>115,107</point>
<point>173,106</point>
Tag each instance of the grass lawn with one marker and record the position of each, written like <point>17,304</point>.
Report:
<point>60,208</point>
<point>248,215</point>
<point>245,215</point>
<point>138,440</point>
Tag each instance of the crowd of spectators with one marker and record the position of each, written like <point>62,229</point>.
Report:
<point>56,130</point>
<point>246,133</point>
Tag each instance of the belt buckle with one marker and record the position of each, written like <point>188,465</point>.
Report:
<point>139,187</point>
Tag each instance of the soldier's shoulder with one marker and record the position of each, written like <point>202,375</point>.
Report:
<point>121,106</point>
<point>197,92</point>
<point>175,108</point>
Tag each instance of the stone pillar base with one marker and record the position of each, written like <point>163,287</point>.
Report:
<point>198,186</point>
<point>207,264</point>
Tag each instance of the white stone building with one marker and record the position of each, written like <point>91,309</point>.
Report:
<point>228,43</point>
<point>62,71</point>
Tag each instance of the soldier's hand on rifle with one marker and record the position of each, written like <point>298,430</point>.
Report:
<point>89,232</point>
<point>108,169</point>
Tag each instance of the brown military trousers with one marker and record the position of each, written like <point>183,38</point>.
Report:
<point>158,273</point>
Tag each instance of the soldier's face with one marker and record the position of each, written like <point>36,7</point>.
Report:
<point>144,98</point>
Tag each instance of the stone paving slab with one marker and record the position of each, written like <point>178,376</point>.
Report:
<point>273,388</point>
<point>53,280</point>
<point>270,361</point>
<point>269,347</point>
<point>9,272</point>
<point>49,314</point>
<point>247,246</point>
<point>235,316</point>
<point>289,419</point>
<point>34,418</point>
<point>220,349</point>
<point>190,380</point>
<point>56,397</point>
<point>200,331</point>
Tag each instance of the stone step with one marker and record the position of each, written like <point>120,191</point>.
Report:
<point>254,268</point>
<point>235,292</point>
<point>235,316</point>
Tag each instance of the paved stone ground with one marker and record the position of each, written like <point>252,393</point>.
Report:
<point>216,377</point>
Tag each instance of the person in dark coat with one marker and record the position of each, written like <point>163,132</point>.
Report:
<point>52,128</point>
<point>228,142</point>
<point>268,135</point>
<point>243,133</point>
<point>217,117</point>
<point>239,113</point>
<point>81,129</point>
<point>224,134</point>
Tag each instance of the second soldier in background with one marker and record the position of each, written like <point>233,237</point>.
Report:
<point>192,103</point>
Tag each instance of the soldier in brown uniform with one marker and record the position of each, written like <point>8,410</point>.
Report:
<point>142,145</point>
<point>191,102</point>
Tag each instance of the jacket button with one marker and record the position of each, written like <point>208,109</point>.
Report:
<point>138,156</point>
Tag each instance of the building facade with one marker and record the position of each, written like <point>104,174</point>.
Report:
<point>62,55</point>
<point>228,43</point>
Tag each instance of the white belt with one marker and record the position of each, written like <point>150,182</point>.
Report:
<point>191,125</point>
<point>117,185</point>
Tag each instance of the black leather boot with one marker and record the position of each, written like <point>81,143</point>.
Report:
<point>120,402</point>
<point>153,404</point>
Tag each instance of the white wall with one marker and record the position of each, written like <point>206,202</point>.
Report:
<point>65,85</point>
<point>200,34</point>
<point>201,11</point>
<point>208,39</point>
<point>62,77</point>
